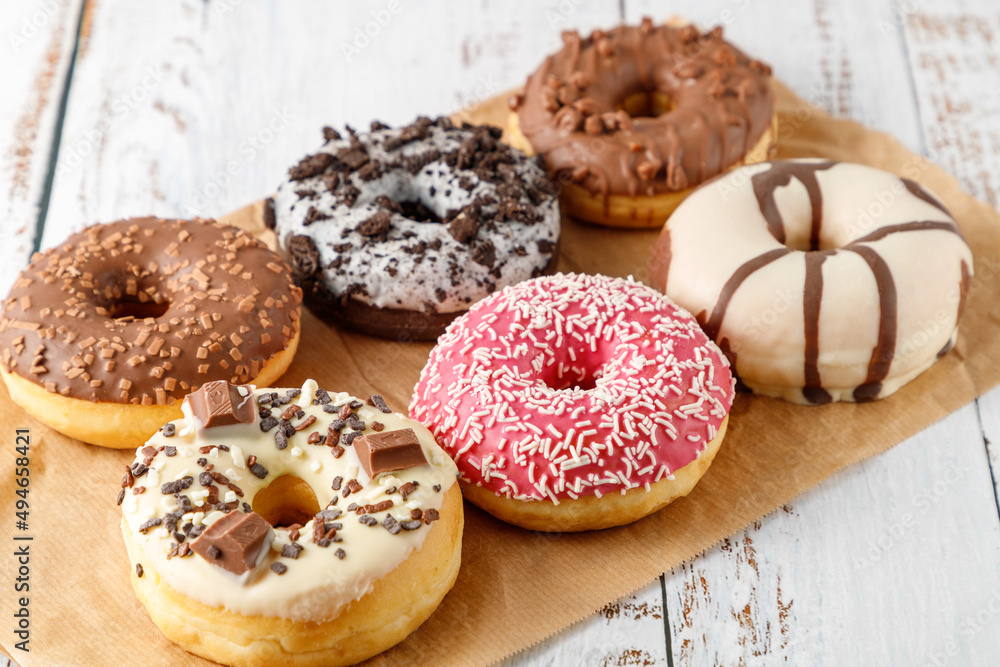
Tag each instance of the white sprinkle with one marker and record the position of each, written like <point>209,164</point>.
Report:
<point>297,452</point>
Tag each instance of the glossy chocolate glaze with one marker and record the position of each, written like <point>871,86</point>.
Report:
<point>718,103</point>
<point>146,310</point>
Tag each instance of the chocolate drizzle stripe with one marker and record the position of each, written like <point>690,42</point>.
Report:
<point>963,290</point>
<point>811,303</point>
<point>766,183</point>
<point>918,192</point>
<point>714,322</point>
<point>918,226</point>
<point>885,347</point>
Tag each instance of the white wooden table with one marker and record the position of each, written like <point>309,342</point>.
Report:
<point>190,107</point>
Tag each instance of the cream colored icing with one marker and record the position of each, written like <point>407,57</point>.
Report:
<point>317,584</point>
<point>721,229</point>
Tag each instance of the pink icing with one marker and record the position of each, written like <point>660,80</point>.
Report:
<point>572,385</point>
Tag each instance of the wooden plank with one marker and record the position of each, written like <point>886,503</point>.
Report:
<point>38,40</point>
<point>955,58</point>
<point>629,631</point>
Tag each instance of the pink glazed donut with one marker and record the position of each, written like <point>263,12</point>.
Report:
<point>575,402</point>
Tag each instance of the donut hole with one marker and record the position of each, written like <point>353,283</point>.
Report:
<point>416,210</point>
<point>646,104</point>
<point>285,501</point>
<point>134,309</point>
<point>420,198</point>
<point>573,379</point>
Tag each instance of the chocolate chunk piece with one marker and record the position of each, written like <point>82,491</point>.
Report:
<point>304,254</point>
<point>485,254</point>
<point>463,227</point>
<point>222,404</point>
<point>353,158</point>
<point>234,542</point>
<point>310,166</point>
<point>377,225</point>
<point>389,451</point>
<point>279,568</point>
<point>259,471</point>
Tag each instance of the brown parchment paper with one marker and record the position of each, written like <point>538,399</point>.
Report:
<point>516,587</point>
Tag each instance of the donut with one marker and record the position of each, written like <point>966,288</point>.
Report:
<point>631,119</point>
<point>822,281</point>
<point>575,402</point>
<point>290,526</point>
<point>102,336</point>
<point>395,232</point>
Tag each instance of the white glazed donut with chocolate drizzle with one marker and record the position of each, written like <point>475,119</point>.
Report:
<point>394,232</point>
<point>822,281</point>
<point>292,527</point>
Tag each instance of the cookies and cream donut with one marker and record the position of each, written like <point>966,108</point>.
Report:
<point>576,402</point>
<point>395,231</point>
<point>822,281</point>
<point>290,526</point>
<point>102,336</point>
<point>631,119</point>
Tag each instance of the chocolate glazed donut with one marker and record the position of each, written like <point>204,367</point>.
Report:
<point>834,281</point>
<point>101,337</point>
<point>643,112</point>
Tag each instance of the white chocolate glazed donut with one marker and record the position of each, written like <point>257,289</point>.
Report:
<point>312,599</point>
<point>822,281</point>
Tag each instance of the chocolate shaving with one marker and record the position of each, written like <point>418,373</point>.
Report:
<point>176,486</point>
<point>379,402</point>
<point>151,523</point>
<point>291,550</point>
<point>390,524</point>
